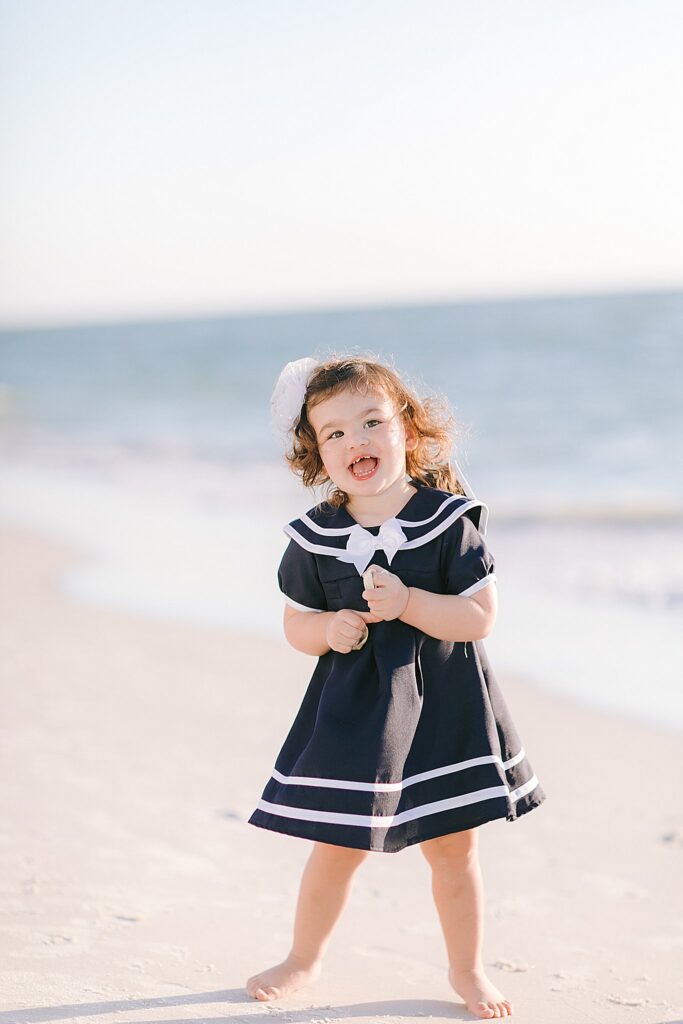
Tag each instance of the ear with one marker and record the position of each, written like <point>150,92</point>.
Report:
<point>411,437</point>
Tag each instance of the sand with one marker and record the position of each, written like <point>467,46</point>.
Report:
<point>132,752</point>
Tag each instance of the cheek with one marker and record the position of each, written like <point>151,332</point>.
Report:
<point>330,462</point>
<point>396,434</point>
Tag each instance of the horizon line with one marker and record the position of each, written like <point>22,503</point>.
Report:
<point>250,311</point>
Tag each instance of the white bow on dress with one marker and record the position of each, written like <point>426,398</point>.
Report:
<point>362,544</point>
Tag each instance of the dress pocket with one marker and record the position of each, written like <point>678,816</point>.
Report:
<point>340,581</point>
<point>333,570</point>
<point>345,593</point>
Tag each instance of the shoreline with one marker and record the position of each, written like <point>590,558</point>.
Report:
<point>182,542</point>
<point>136,750</point>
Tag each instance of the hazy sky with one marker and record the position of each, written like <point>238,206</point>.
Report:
<point>164,157</point>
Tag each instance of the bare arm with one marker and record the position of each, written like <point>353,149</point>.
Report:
<point>444,616</point>
<point>450,616</point>
<point>319,632</point>
<point>306,631</point>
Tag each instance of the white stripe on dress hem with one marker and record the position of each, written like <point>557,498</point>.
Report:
<point>392,820</point>
<point>521,791</point>
<point>396,787</point>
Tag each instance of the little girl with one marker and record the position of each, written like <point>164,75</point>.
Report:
<point>403,735</point>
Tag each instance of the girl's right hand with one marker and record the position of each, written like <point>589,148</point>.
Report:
<point>347,628</point>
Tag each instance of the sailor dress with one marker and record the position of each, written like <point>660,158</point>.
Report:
<point>409,737</point>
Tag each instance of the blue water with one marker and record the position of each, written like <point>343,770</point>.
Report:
<point>150,445</point>
<point>561,401</point>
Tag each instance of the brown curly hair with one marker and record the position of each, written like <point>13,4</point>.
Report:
<point>430,417</point>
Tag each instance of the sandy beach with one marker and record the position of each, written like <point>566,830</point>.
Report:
<point>132,753</point>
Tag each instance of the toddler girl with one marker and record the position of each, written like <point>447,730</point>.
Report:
<point>403,735</point>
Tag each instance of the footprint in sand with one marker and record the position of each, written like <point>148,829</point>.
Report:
<point>509,965</point>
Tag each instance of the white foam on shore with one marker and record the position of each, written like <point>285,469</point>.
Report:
<point>199,543</point>
<point>157,540</point>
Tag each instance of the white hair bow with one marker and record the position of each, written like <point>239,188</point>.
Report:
<point>362,544</point>
<point>288,395</point>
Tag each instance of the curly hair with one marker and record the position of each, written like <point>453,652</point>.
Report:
<point>430,417</point>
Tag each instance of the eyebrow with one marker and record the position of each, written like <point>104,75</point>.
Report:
<point>374,408</point>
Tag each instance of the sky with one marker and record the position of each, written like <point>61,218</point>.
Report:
<point>163,158</point>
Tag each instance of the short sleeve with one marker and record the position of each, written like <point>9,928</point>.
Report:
<point>467,564</point>
<point>298,580</point>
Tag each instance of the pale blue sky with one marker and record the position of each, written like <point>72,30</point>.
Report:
<point>204,156</point>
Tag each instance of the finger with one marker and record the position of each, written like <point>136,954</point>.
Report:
<point>350,635</point>
<point>351,618</point>
<point>349,614</point>
<point>346,642</point>
<point>352,629</point>
<point>357,619</point>
<point>369,617</point>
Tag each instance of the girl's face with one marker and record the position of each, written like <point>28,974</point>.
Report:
<point>362,441</point>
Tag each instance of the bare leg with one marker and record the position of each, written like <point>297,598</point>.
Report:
<point>325,888</point>
<point>459,897</point>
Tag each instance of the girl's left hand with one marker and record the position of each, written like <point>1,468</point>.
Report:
<point>389,597</point>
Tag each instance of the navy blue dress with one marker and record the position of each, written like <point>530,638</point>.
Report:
<point>409,737</point>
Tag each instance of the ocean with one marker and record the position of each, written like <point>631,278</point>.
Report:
<point>149,446</point>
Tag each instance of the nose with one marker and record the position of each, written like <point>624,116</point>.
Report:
<point>355,439</point>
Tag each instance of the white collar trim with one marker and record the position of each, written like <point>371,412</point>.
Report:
<point>340,531</point>
<point>322,549</point>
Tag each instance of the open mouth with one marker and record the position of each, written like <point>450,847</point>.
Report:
<point>363,467</point>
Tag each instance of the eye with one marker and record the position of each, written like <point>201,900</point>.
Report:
<point>331,435</point>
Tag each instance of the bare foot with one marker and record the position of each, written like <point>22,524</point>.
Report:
<point>481,996</point>
<point>279,981</point>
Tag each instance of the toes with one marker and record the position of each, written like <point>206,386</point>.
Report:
<point>485,1009</point>
<point>495,1008</point>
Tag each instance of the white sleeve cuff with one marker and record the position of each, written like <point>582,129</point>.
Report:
<point>491,578</point>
